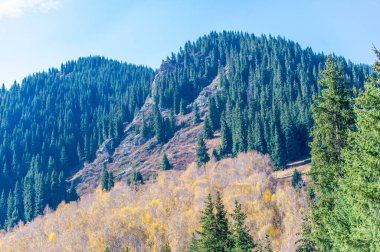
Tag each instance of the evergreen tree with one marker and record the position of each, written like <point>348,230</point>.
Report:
<point>110,181</point>
<point>225,137</point>
<point>39,194</point>
<point>194,245</point>
<point>28,199</point>
<point>202,155</point>
<point>159,125</point>
<point>165,163</point>
<point>296,179</point>
<point>333,116</point>
<point>138,178</point>
<point>240,234</point>
<point>3,209</point>
<point>72,194</point>
<point>277,150</point>
<point>197,118</point>
<point>223,234</point>
<point>104,179</point>
<point>182,107</point>
<point>207,129</point>
<point>208,236</point>
<point>357,216</point>
<point>13,214</point>
<point>213,114</point>
<point>145,131</point>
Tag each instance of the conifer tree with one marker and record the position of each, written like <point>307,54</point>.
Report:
<point>333,117</point>
<point>165,163</point>
<point>159,124</point>
<point>240,234</point>
<point>208,235</point>
<point>296,179</point>
<point>39,194</point>
<point>357,215</point>
<point>28,199</point>
<point>202,155</point>
<point>207,129</point>
<point>213,114</point>
<point>223,234</point>
<point>144,128</point>
<point>72,194</point>
<point>194,244</point>
<point>110,182</point>
<point>3,209</point>
<point>182,107</point>
<point>138,178</point>
<point>225,137</point>
<point>197,118</point>
<point>104,179</point>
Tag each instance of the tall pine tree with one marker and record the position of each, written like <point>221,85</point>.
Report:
<point>357,215</point>
<point>333,117</point>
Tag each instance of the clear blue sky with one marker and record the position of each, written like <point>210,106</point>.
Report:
<point>38,34</point>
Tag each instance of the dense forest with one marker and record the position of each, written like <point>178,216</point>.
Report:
<point>266,91</point>
<point>54,121</point>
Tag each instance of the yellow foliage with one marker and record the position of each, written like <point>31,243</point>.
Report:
<point>52,237</point>
<point>273,231</point>
<point>267,197</point>
<point>167,212</point>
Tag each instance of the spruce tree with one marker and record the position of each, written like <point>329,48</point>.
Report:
<point>225,137</point>
<point>202,155</point>
<point>223,235</point>
<point>241,238</point>
<point>72,194</point>
<point>165,163</point>
<point>3,209</point>
<point>296,179</point>
<point>207,129</point>
<point>104,179</point>
<point>182,107</point>
<point>333,118</point>
<point>208,236</point>
<point>110,181</point>
<point>194,244</point>
<point>196,118</point>
<point>138,178</point>
<point>28,199</point>
<point>159,125</point>
<point>357,215</point>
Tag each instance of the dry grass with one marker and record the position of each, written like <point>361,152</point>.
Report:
<point>167,211</point>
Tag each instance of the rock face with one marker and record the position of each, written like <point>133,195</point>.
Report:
<point>136,153</point>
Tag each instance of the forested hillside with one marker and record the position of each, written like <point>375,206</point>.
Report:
<point>266,90</point>
<point>54,121</point>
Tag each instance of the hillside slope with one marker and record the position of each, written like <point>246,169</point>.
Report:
<point>168,211</point>
<point>137,153</point>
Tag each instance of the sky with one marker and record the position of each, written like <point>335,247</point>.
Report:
<point>38,34</point>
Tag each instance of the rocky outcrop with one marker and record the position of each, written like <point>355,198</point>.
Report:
<point>136,153</point>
